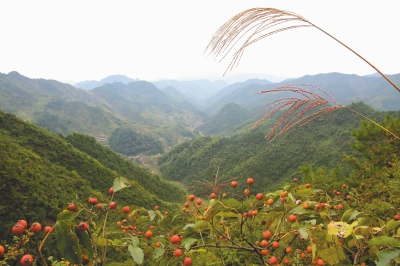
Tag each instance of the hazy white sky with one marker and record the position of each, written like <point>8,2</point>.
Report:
<point>85,40</point>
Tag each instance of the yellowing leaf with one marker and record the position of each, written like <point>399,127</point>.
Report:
<point>341,229</point>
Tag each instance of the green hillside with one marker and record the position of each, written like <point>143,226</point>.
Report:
<point>144,102</point>
<point>40,173</point>
<point>225,121</point>
<point>65,109</point>
<point>320,143</point>
<point>129,142</point>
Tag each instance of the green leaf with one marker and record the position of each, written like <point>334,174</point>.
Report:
<point>101,242</point>
<point>158,252</point>
<point>159,214</point>
<point>314,251</point>
<point>135,241</point>
<point>137,254</point>
<point>85,241</point>
<point>68,243</point>
<point>152,215</point>
<point>67,215</point>
<point>392,224</point>
<point>332,255</point>
<point>384,241</point>
<point>349,215</point>
<point>287,187</point>
<point>201,250</point>
<point>187,226</point>
<point>228,215</point>
<point>199,225</point>
<point>117,242</point>
<point>187,242</point>
<point>120,183</point>
<point>386,255</point>
<point>303,233</point>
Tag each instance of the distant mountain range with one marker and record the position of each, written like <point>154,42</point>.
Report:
<point>65,109</point>
<point>196,91</point>
<point>169,111</point>
<point>91,84</point>
<point>374,91</point>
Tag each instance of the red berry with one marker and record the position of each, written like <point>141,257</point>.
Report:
<point>292,218</point>
<point>112,205</point>
<point>71,207</point>
<point>158,244</point>
<point>259,196</point>
<point>264,243</point>
<point>111,191</point>
<point>187,262</point>
<point>83,226</point>
<point>267,234</point>
<point>2,250</point>
<point>340,207</point>
<point>186,204</point>
<point>23,223</point>
<point>198,202</point>
<point>191,197</point>
<point>156,208</point>
<point>93,201</point>
<point>213,196</point>
<point>125,209</point>
<point>275,244</point>
<point>36,227</point>
<point>26,260</point>
<point>396,217</point>
<point>148,234</point>
<point>295,180</point>
<point>344,186</point>
<point>250,181</point>
<point>308,185</point>
<point>175,239</point>
<point>273,260</point>
<point>18,229</point>
<point>264,252</point>
<point>234,184</point>
<point>165,213</point>
<point>47,229</point>
<point>177,252</point>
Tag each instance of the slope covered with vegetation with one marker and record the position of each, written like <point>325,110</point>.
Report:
<point>40,173</point>
<point>225,121</point>
<point>320,143</point>
<point>129,142</point>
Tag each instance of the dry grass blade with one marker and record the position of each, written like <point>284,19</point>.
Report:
<point>301,111</point>
<point>252,25</point>
<point>298,109</point>
<point>255,24</point>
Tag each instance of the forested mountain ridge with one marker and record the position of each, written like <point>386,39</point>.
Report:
<point>144,102</point>
<point>40,173</point>
<point>374,91</point>
<point>63,108</point>
<point>320,143</point>
<point>91,84</point>
<point>225,121</point>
